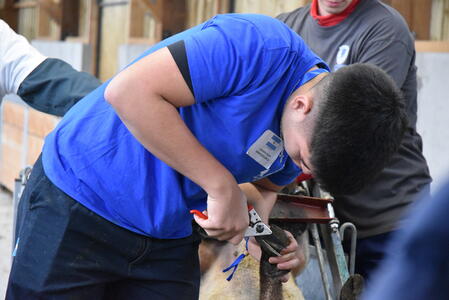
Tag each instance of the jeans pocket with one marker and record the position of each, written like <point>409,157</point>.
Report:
<point>32,187</point>
<point>39,194</point>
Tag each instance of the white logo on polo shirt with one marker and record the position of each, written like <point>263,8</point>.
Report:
<point>342,55</point>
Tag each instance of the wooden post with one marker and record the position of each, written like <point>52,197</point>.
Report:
<point>64,13</point>
<point>114,19</point>
<point>43,21</point>
<point>404,7</point>
<point>174,17</point>
<point>93,38</point>
<point>137,16</point>
<point>170,16</point>
<point>417,15</point>
<point>70,12</point>
<point>9,14</point>
<point>157,11</point>
<point>421,18</point>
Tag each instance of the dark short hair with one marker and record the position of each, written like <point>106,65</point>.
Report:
<point>360,124</point>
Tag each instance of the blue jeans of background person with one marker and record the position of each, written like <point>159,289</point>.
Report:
<point>65,251</point>
<point>370,252</point>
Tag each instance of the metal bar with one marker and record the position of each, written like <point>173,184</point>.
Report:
<point>15,204</point>
<point>317,243</point>
<point>335,254</point>
<point>353,229</point>
<point>19,186</point>
<point>294,208</point>
<point>340,258</point>
<point>25,134</point>
<point>306,200</point>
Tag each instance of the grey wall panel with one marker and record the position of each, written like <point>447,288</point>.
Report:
<point>433,111</point>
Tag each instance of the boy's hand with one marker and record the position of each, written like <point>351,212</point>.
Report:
<point>227,216</point>
<point>292,257</point>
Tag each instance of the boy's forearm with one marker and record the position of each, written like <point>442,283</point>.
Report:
<point>261,198</point>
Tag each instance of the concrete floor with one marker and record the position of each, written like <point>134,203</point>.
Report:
<point>5,239</point>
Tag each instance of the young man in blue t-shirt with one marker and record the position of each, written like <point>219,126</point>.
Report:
<point>239,99</point>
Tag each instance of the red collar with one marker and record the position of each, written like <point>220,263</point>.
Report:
<point>331,20</point>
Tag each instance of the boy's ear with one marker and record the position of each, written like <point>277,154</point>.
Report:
<point>302,103</point>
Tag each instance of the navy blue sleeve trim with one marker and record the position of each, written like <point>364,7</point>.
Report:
<point>54,87</point>
<point>178,51</point>
<point>322,66</point>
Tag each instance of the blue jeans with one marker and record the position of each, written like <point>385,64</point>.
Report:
<point>65,251</point>
<point>370,253</point>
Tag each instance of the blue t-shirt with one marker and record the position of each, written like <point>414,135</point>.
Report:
<point>243,68</point>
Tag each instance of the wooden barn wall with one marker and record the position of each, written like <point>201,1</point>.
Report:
<point>114,31</point>
<point>439,23</point>
<point>149,26</point>
<point>34,22</point>
<point>26,25</point>
<point>429,19</point>
<point>267,7</point>
<point>84,18</point>
<point>22,138</point>
<point>48,28</point>
<point>142,22</point>
<point>8,13</point>
<point>199,11</point>
<point>417,15</point>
